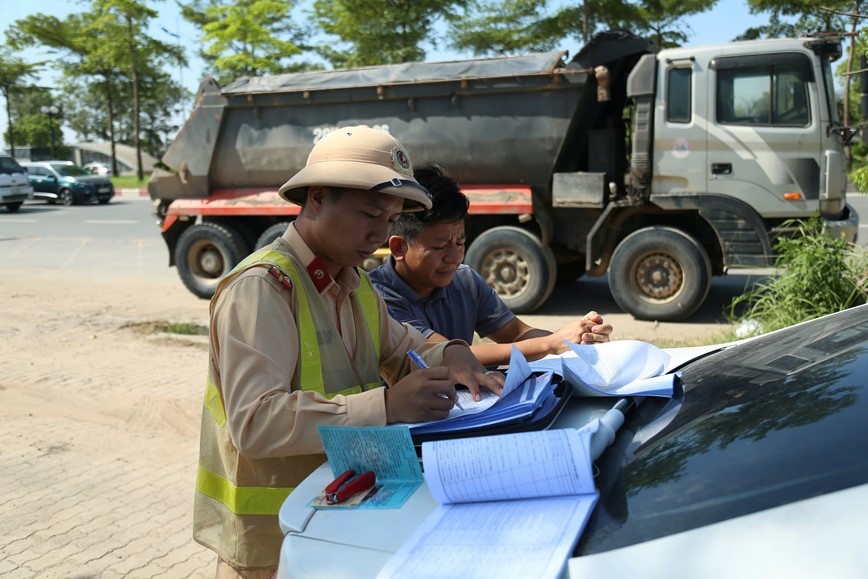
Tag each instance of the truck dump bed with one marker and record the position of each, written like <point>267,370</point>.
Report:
<point>494,120</point>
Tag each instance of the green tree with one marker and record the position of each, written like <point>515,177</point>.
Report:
<point>247,37</point>
<point>491,27</point>
<point>32,126</point>
<point>794,18</point>
<point>106,46</point>
<point>13,72</point>
<point>133,50</point>
<point>78,55</point>
<point>391,31</point>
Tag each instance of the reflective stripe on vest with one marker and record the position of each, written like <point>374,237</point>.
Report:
<point>241,500</point>
<point>267,500</point>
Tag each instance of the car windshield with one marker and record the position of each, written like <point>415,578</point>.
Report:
<point>762,424</point>
<point>70,170</point>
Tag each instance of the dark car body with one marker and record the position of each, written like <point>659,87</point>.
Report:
<point>67,183</point>
<point>761,428</point>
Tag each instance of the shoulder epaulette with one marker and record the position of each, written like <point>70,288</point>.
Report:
<point>280,276</point>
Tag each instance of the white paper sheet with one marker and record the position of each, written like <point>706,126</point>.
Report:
<point>500,540</point>
<point>509,466</point>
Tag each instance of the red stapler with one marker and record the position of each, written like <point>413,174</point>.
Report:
<point>346,487</point>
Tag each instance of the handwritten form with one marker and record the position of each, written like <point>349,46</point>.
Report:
<point>512,466</point>
<point>504,535</point>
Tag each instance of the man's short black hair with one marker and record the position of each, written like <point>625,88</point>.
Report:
<point>448,203</point>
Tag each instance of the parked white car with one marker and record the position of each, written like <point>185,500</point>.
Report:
<point>15,187</point>
<point>97,168</point>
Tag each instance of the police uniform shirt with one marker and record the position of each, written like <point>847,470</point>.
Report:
<point>255,340</point>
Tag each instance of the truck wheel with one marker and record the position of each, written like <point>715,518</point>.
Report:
<point>13,207</point>
<point>520,269</point>
<point>270,234</point>
<point>659,273</point>
<point>205,253</point>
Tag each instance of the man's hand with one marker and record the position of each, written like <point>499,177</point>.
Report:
<point>420,396</point>
<point>589,330</point>
<point>465,369</point>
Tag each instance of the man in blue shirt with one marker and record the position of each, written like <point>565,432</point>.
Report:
<point>425,284</point>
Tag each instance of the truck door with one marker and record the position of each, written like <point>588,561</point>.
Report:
<point>680,134</point>
<point>764,133</point>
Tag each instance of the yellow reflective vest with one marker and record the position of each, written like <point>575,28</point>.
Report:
<point>237,497</point>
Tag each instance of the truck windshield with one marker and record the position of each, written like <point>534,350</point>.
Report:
<point>829,85</point>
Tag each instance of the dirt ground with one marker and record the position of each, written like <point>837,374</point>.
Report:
<point>99,420</point>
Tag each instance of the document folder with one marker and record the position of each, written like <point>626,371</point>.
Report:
<point>514,412</point>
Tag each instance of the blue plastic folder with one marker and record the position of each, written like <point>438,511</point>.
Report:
<point>529,401</point>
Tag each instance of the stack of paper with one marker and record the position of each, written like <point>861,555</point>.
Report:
<point>511,506</point>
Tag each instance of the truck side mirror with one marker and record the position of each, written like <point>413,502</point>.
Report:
<point>846,133</point>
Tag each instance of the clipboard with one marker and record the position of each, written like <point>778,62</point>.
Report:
<point>541,419</point>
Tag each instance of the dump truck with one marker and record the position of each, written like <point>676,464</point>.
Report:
<point>660,168</point>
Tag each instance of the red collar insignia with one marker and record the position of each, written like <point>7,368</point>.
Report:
<point>317,271</point>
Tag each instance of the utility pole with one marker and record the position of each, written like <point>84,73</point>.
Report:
<point>53,112</point>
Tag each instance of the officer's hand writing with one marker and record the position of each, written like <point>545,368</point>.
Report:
<point>467,370</point>
<point>423,395</point>
<point>589,330</point>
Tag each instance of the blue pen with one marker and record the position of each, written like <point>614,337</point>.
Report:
<point>421,363</point>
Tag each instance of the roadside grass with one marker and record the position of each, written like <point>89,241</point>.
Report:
<point>186,332</point>
<point>129,182</point>
<point>819,275</point>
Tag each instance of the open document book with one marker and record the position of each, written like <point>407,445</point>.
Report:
<point>512,505</point>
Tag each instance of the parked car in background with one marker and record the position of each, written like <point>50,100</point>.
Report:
<point>97,168</point>
<point>67,183</point>
<point>15,188</point>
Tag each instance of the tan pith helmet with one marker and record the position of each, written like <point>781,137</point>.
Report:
<point>359,158</point>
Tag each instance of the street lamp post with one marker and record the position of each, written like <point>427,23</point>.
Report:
<point>53,112</point>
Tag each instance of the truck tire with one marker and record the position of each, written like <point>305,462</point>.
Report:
<point>516,265</point>
<point>14,207</point>
<point>205,253</point>
<point>270,234</point>
<point>659,273</point>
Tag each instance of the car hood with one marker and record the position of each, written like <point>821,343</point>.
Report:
<point>769,422</point>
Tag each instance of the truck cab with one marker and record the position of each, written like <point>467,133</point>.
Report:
<point>729,143</point>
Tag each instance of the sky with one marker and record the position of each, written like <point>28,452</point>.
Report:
<point>726,20</point>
